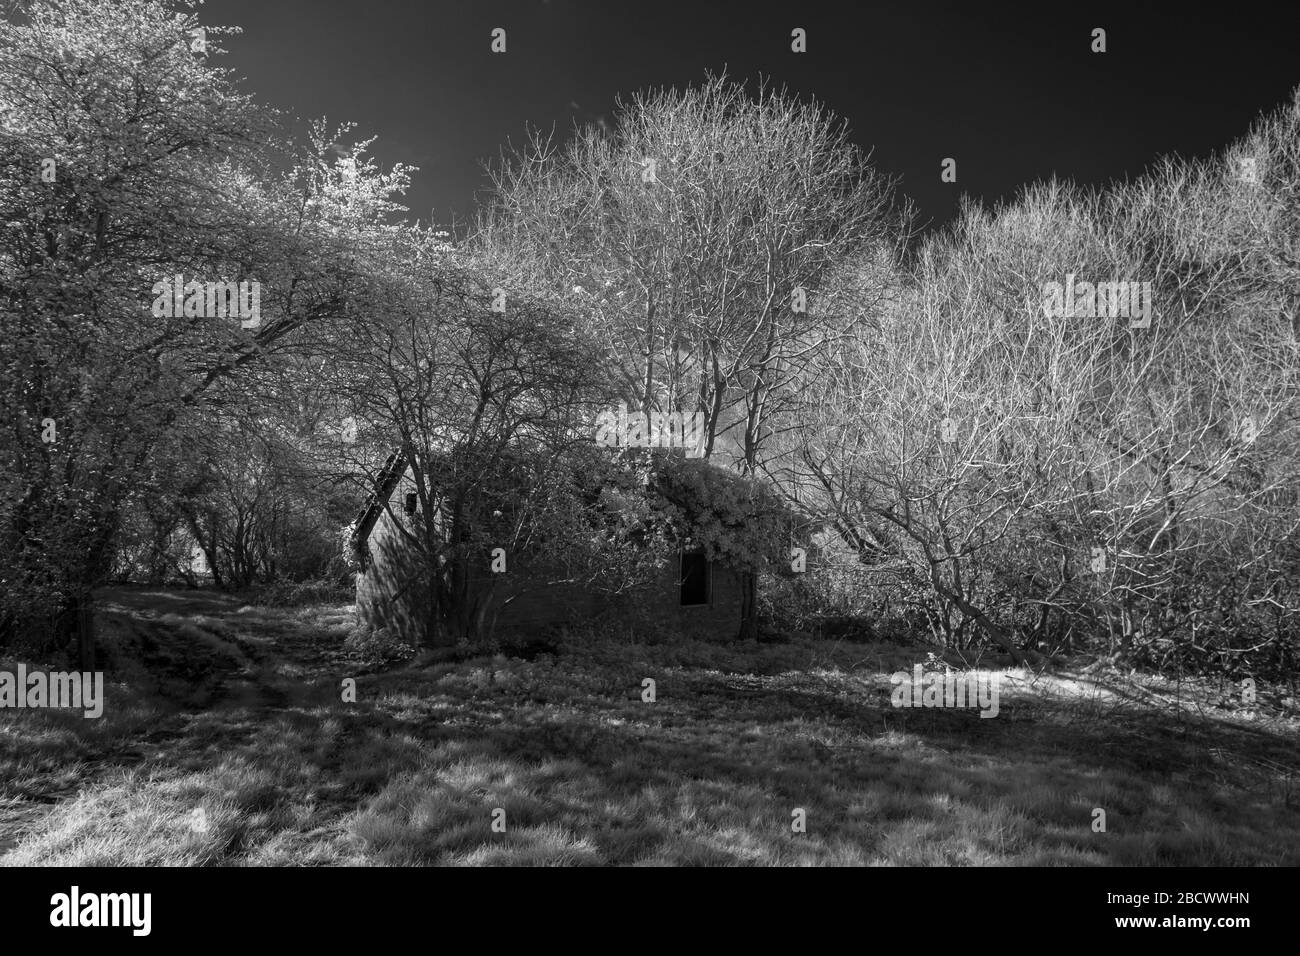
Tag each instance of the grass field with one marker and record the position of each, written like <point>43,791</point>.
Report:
<point>225,740</point>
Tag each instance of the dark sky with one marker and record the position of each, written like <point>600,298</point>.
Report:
<point>1013,93</point>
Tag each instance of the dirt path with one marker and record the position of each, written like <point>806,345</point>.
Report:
<point>200,653</point>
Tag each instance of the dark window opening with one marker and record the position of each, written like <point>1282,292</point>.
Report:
<point>695,579</point>
<point>411,500</point>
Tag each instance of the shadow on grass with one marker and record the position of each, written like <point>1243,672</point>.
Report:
<point>561,753</point>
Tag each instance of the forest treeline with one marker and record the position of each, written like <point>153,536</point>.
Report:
<point>971,457</point>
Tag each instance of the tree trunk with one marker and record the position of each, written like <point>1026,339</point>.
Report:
<point>748,607</point>
<point>75,626</point>
<point>86,632</point>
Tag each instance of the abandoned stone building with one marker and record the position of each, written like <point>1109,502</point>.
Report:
<point>692,596</point>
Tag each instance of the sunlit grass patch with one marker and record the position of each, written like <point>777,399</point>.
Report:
<point>555,758</point>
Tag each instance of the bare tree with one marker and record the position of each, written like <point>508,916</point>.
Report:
<point>700,237</point>
<point>1056,472</point>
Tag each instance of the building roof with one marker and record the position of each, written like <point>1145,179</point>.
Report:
<point>385,482</point>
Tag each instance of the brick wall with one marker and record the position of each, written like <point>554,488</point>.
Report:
<point>393,592</point>
<point>393,589</point>
<point>655,605</point>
